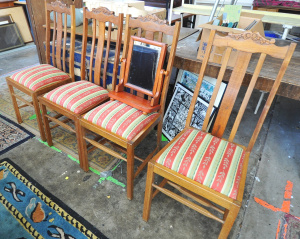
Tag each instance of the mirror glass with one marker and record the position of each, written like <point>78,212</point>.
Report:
<point>143,65</point>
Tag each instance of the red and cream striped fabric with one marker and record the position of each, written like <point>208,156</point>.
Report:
<point>37,77</point>
<point>206,159</point>
<point>77,96</point>
<point>120,118</point>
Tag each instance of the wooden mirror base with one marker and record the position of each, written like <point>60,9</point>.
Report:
<point>134,101</point>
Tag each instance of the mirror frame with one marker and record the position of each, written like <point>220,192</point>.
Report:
<point>162,56</point>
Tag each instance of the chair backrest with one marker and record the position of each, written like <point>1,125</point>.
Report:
<point>104,26</point>
<point>59,12</point>
<point>153,32</point>
<point>245,44</point>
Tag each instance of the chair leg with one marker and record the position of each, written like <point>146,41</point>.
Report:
<point>148,192</point>
<point>38,116</point>
<point>15,103</point>
<point>159,134</point>
<point>82,147</point>
<point>130,170</point>
<point>47,125</point>
<point>229,218</point>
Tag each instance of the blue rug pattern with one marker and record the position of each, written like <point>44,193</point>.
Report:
<point>27,210</point>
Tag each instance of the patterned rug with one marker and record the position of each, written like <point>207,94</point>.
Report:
<point>11,134</point>
<point>63,139</point>
<point>27,210</point>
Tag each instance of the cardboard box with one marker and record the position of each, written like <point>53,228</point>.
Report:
<point>217,52</point>
<point>135,8</point>
<point>161,13</point>
<point>116,5</point>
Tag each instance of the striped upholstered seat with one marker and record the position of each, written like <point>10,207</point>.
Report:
<point>77,96</point>
<point>206,159</point>
<point>120,118</point>
<point>37,77</point>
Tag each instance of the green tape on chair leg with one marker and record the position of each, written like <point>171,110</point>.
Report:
<point>56,149</point>
<point>32,117</point>
<point>74,159</point>
<point>163,138</point>
<point>52,147</point>
<point>45,143</point>
<point>115,181</point>
<point>117,165</point>
<point>110,178</point>
<point>101,180</point>
<point>94,171</point>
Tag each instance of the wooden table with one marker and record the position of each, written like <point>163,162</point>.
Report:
<point>6,3</point>
<point>184,32</point>
<point>268,17</point>
<point>186,59</point>
<point>288,21</point>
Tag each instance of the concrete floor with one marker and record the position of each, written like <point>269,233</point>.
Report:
<point>274,160</point>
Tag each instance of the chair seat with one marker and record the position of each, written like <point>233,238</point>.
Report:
<point>40,76</point>
<point>78,96</point>
<point>209,160</point>
<point>120,118</point>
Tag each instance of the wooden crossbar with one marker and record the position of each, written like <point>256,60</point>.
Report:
<point>188,203</point>
<point>23,100</point>
<point>124,151</point>
<point>63,121</point>
<point>98,139</point>
<point>102,147</point>
<point>23,106</point>
<point>162,184</point>
<point>150,156</point>
<point>60,123</point>
<point>195,197</point>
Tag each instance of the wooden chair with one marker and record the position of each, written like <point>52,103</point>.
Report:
<point>125,122</point>
<point>207,168</point>
<point>76,98</point>
<point>40,79</point>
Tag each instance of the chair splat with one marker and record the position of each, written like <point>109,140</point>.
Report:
<point>231,93</point>
<point>103,27</point>
<point>60,13</point>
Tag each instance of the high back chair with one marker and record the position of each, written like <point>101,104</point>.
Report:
<point>76,98</point>
<point>38,80</point>
<point>125,121</point>
<point>206,167</point>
